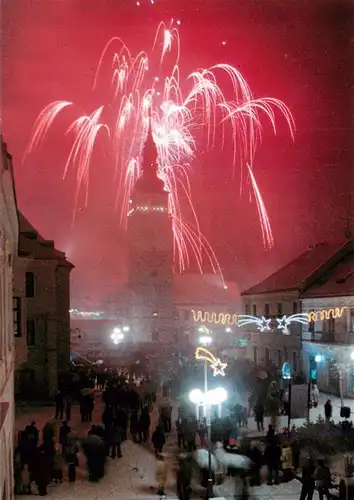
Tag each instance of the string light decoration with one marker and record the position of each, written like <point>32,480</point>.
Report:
<point>216,364</point>
<point>265,324</point>
<point>214,317</point>
<point>334,313</point>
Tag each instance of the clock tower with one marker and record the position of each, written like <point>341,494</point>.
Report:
<point>151,254</point>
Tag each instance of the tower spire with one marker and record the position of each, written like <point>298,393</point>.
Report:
<point>150,151</point>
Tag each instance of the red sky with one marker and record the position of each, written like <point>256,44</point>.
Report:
<point>297,51</point>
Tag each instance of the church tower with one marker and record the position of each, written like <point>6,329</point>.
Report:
<point>151,254</point>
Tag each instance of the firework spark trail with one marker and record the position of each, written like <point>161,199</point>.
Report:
<point>176,118</point>
<point>267,234</point>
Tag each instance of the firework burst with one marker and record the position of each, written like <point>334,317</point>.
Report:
<point>176,116</point>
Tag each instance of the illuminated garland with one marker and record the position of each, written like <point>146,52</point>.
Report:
<point>264,324</point>
<point>214,317</point>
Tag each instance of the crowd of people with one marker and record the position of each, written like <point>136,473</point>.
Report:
<point>127,406</point>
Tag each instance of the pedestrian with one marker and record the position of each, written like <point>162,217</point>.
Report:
<point>68,404</point>
<point>315,395</point>
<point>328,410</point>
<point>307,480</point>
<point>59,405</point>
<point>158,440</point>
<point>134,425</point>
<point>64,431</point>
<point>323,480</point>
<point>272,457</point>
<point>180,435</point>
<point>57,472</point>
<point>161,474</point>
<point>144,425</point>
<point>256,456</point>
<point>202,432</point>
<point>117,436</point>
<point>259,416</point>
<point>184,477</point>
<point>71,458</point>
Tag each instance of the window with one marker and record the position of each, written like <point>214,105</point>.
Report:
<point>312,328</point>
<point>352,321</point>
<point>331,328</point>
<point>186,314</point>
<point>30,332</point>
<point>16,308</point>
<point>266,310</point>
<point>279,309</point>
<point>255,354</point>
<point>267,356</point>
<point>294,307</point>
<point>294,364</point>
<point>254,310</point>
<point>247,309</point>
<point>279,358</point>
<point>29,284</point>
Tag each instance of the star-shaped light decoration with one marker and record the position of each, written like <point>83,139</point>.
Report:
<point>218,367</point>
<point>263,324</point>
<point>283,324</point>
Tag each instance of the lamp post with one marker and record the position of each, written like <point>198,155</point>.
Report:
<point>286,375</point>
<point>210,398</point>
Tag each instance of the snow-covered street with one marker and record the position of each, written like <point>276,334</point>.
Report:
<point>133,476</point>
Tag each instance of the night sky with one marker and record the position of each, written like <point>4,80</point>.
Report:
<point>298,51</point>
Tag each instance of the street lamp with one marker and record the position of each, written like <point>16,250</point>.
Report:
<point>286,375</point>
<point>208,399</point>
<point>218,368</point>
<point>205,340</point>
<point>117,335</point>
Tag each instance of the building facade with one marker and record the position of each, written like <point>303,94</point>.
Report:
<point>277,304</point>
<point>41,314</point>
<point>8,255</point>
<point>328,338</point>
<point>152,311</point>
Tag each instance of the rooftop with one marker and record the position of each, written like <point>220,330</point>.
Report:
<point>33,245</point>
<point>296,274</point>
<point>337,281</point>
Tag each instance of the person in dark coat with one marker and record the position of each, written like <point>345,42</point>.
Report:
<point>184,477</point>
<point>259,416</point>
<point>64,431</point>
<point>117,435</point>
<point>134,425</point>
<point>180,435</point>
<point>328,410</point>
<point>272,457</point>
<point>144,425</point>
<point>41,472</point>
<point>29,442</point>
<point>256,456</point>
<point>308,481</point>
<point>59,405</point>
<point>71,458</point>
<point>158,440</point>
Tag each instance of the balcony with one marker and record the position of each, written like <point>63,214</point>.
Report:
<point>328,337</point>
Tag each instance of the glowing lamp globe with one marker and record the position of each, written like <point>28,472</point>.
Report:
<point>196,396</point>
<point>216,396</point>
<point>318,358</point>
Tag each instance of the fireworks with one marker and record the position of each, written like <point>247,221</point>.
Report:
<point>177,117</point>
